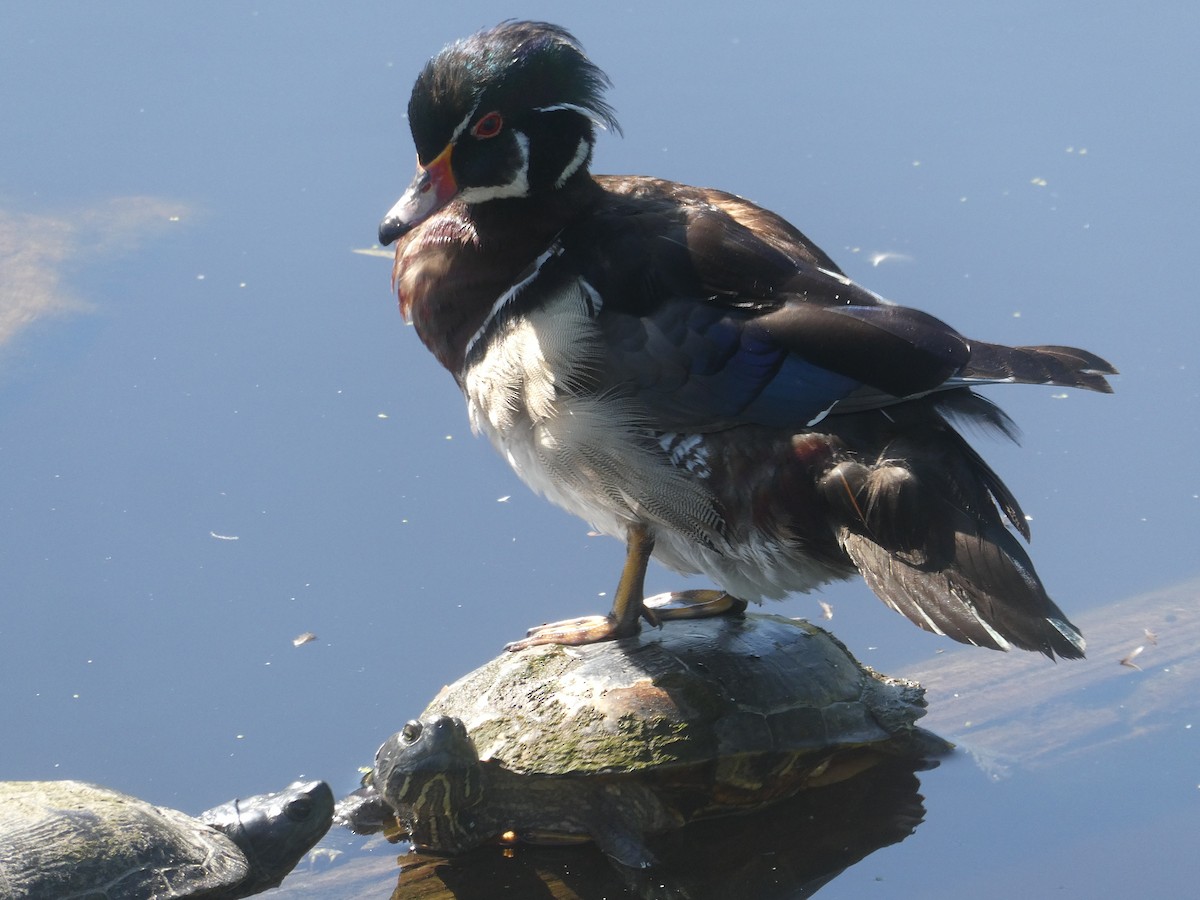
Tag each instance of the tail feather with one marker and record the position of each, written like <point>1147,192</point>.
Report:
<point>919,514</point>
<point>973,463</point>
<point>1062,366</point>
<point>989,595</point>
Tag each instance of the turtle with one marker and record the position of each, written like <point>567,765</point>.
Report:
<point>74,839</point>
<point>616,740</point>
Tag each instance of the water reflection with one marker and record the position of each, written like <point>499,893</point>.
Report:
<point>788,851</point>
<point>140,652</point>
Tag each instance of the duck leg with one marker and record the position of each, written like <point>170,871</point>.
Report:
<point>627,607</point>
<point>630,604</point>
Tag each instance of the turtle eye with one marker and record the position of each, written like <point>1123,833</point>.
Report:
<point>411,731</point>
<point>489,126</point>
<point>298,810</point>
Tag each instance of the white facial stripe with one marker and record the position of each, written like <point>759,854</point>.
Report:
<point>518,187</point>
<point>581,154</point>
<point>586,113</point>
<point>462,126</point>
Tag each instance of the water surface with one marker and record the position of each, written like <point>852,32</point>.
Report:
<point>216,433</point>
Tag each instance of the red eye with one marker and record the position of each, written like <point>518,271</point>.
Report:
<point>488,126</point>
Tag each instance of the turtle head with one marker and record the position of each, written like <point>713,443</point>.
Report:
<point>429,772</point>
<point>275,830</point>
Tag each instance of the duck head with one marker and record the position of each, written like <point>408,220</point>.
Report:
<point>510,112</point>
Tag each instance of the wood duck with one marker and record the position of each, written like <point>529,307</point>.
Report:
<point>687,371</point>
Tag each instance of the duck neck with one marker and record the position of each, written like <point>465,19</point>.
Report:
<point>454,268</point>
<point>534,220</point>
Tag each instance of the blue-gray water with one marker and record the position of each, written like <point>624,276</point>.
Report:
<point>216,433</point>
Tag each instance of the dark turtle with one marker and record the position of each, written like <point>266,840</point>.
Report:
<point>616,740</point>
<point>72,839</point>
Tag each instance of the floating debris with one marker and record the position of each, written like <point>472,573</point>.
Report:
<point>1129,660</point>
<point>374,251</point>
<point>888,256</point>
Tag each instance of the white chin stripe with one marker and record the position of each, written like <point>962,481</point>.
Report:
<point>518,187</point>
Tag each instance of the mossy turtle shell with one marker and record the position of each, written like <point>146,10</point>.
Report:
<point>688,693</point>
